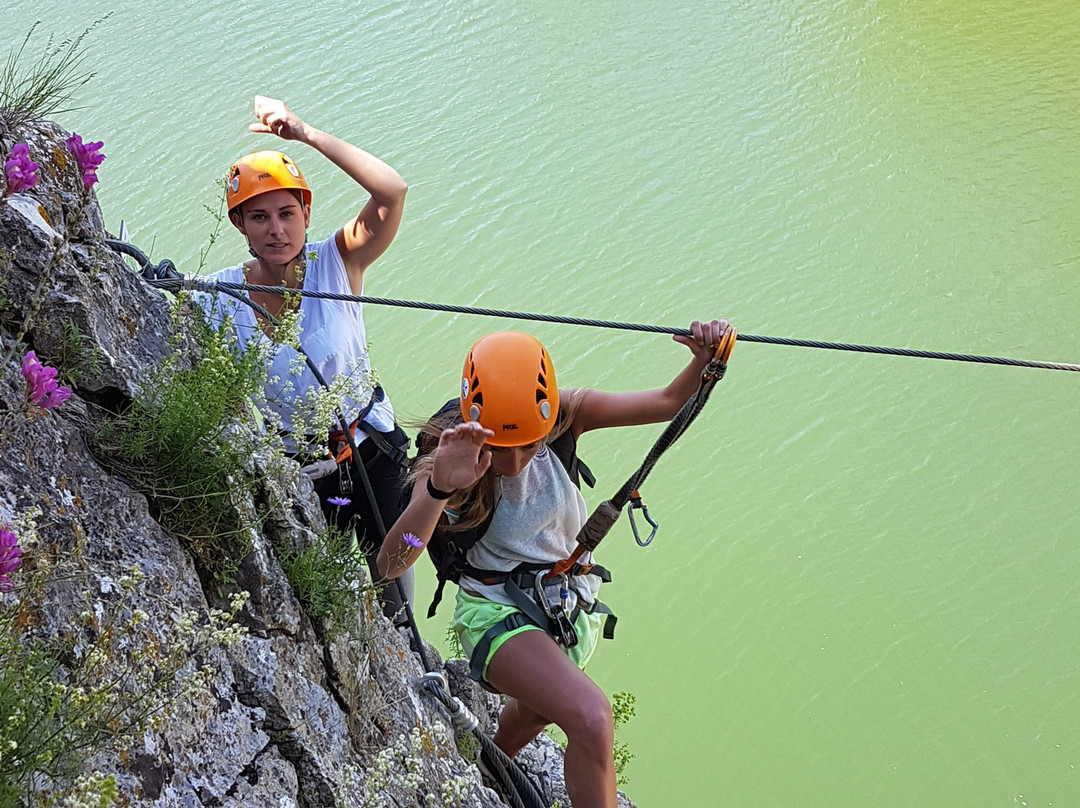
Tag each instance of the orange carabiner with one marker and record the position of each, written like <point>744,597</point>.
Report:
<point>727,343</point>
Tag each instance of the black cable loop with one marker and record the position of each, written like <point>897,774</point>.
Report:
<point>151,272</point>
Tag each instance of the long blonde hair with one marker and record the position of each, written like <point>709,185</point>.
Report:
<point>473,505</point>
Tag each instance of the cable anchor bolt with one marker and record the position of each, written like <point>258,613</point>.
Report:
<point>460,716</point>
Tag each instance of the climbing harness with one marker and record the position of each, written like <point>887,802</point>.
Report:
<point>540,604</point>
<point>341,449</point>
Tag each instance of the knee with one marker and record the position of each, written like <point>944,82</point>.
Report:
<point>593,723</point>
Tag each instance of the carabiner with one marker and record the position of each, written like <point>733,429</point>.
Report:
<point>560,626</point>
<point>636,503</point>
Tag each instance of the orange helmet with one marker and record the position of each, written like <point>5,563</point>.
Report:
<point>508,385</point>
<point>263,171</point>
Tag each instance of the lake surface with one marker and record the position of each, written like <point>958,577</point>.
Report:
<point>866,584</point>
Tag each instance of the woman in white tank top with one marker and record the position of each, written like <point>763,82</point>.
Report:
<point>269,202</point>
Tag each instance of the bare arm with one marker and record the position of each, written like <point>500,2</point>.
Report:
<point>460,460</point>
<point>599,410</point>
<point>366,237</point>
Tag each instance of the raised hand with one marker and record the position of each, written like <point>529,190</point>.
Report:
<point>277,119</point>
<point>461,457</point>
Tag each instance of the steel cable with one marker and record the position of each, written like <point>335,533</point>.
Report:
<point>516,784</point>
<point>208,285</point>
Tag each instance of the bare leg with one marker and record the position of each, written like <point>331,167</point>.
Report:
<point>546,687</point>
<point>518,725</point>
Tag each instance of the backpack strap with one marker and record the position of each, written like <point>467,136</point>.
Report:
<point>341,450</point>
<point>452,564</point>
<point>565,448</point>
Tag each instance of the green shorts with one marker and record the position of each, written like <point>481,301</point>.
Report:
<point>473,617</point>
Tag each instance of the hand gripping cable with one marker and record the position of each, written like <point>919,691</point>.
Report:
<point>602,519</point>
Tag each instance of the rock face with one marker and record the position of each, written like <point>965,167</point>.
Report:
<point>283,716</point>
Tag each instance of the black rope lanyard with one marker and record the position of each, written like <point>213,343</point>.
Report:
<point>602,519</point>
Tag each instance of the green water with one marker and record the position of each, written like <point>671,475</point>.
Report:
<point>865,587</point>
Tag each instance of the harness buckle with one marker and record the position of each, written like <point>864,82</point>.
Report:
<point>637,504</point>
<point>567,635</point>
<point>345,483</point>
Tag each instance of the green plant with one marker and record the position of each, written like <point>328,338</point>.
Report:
<point>78,358</point>
<point>46,85</point>
<point>173,444</point>
<point>453,644</point>
<point>67,697</point>
<point>325,578</point>
<point>622,708</point>
<point>218,216</point>
<point>5,301</point>
<point>468,746</point>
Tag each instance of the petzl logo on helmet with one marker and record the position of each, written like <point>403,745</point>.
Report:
<point>264,176</point>
<point>508,427</point>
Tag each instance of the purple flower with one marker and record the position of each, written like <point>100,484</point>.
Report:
<point>10,556</point>
<point>339,501</point>
<point>412,540</point>
<point>41,385</point>
<point>88,156</point>
<point>20,170</point>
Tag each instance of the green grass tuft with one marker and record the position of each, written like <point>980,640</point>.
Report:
<point>46,85</point>
<point>173,445</point>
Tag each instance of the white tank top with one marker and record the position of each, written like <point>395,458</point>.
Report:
<point>537,518</point>
<point>332,335</point>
